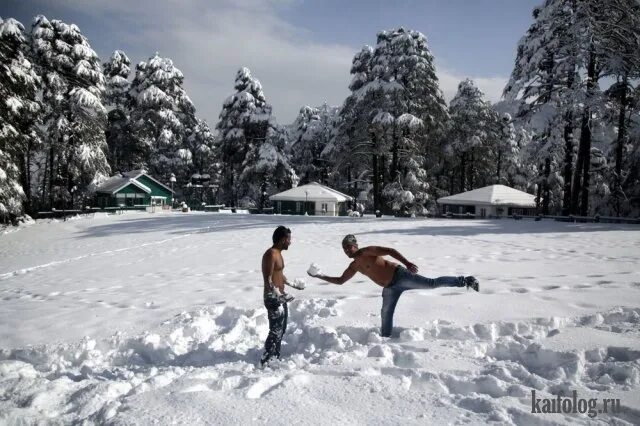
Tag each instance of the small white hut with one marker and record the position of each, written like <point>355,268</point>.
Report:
<point>313,199</point>
<point>490,201</point>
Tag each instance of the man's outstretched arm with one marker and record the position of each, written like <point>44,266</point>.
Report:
<point>387,251</point>
<point>346,276</point>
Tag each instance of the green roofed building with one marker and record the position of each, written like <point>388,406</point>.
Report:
<point>133,189</point>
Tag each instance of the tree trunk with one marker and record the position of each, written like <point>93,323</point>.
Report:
<point>471,170</point>
<point>539,189</point>
<point>374,173</point>
<point>394,156</point>
<point>547,190</point>
<point>622,129</point>
<point>463,166</point>
<point>568,164</point>
<point>50,178</point>
<point>44,183</point>
<point>452,178</point>
<point>25,178</point>
<point>591,81</point>
<point>382,169</point>
<point>499,165</point>
<point>577,176</point>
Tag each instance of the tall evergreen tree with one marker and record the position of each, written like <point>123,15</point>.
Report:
<point>469,134</point>
<point>351,153</point>
<point>201,143</point>
<point>19,111</point>
<point>118,133</point>
<point>507,153</point>
<point>266,168</point>
<point>244,122</point>
<point>312,139</point>
<point>161,114</point>
<point>545,80</point>
<point>393,85</point>
<point>619,53</point>
<point>73,85</point>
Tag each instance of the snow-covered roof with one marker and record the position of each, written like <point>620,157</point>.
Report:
<point>135,174</point>
<point>116,183</point>
<point>311,192</point>
<point>495,195</point>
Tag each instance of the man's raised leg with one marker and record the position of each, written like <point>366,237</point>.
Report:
<point>409,281</point>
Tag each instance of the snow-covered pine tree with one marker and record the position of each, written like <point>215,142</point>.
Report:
<point>469,133</point>
<point>118,133</point>
<point>161,114</point>
<point>544,80</point>
<point>73,85</point>
<point>619,57</point>
<point>561,60</point>
<point>267,169</point>
<point>525,172</point>
<point>244,121</point>
<point>350,154</point>
<point>631,177</point>
<point>313,136</point>
<point>507,153</point>
<point>201,143</point>
<point>395,80</point>
<point>599,177</point>
<point>404,72</point>
<point>19,110</point>
<point>408,193</point>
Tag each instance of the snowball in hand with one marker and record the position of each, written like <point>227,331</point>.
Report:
<point>313,270</point>
<point>299,283</point>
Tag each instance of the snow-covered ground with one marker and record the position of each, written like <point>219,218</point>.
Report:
<point>143,318</point>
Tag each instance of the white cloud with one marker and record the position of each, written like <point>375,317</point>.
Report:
<point>210,40</point>
<point>492,87</point>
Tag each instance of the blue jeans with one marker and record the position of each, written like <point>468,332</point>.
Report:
<point>404,279</point>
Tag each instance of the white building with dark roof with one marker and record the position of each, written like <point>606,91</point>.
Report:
<point>490,201</point>
<point>313,198</point>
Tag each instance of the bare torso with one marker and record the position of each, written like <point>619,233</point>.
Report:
<point>277,276</point>
<point>377,268</point>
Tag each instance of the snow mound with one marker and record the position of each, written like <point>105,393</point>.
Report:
<point>215,350</point>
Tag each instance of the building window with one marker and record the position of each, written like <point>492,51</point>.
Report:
<point>325,208</point>
<point>298,206</point>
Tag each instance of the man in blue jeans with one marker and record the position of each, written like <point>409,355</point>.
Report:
<point>394,278</point>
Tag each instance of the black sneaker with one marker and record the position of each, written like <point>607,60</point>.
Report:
<point>471,282</point>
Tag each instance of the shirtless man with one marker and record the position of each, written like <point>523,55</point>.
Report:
<point>393,278</point>
<point>275,298</point>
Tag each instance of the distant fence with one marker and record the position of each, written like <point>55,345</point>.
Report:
<point>570,218</point>
<point>57,214</point>
<point>588,219</point>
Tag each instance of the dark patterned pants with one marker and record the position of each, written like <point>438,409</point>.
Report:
<point>278,314</point>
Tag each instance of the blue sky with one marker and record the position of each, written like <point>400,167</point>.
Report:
<point>301,51</point>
